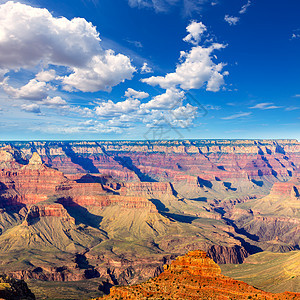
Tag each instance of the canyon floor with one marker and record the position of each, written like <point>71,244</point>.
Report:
<point>81,217</point>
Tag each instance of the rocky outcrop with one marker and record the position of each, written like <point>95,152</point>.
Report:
<point>193,276</point>
<point>13,289</point>
<point>11,158</point>
<point>35,182</point>
<point>52,210</point>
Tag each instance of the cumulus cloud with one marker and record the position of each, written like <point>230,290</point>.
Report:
<point>54,102</point>
<point>196,70</point>
<point>265,105</point>
<point>180,117</point>
<point>29,36</point>
<point>33,108</point>
<point>195,30</point>
<point>236,116</point>
<point>123,121</point>
<point>245,7</point>
<point>168,100</point>
<point>101,73</point>
<point>231,20</point>
<point>46,76</point>
<point>146,69</point>
<point>131,93</point>
<point>33,90</point>
<point>110,109</point>
<point>183,116</point>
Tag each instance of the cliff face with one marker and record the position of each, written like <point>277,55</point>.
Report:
<point>193,276</point>
<point>167,160</point>
<point>35,182</point>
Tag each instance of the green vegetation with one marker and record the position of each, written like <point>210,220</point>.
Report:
<point>56,290</point>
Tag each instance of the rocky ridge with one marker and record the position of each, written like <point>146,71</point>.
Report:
<point>193,276</point>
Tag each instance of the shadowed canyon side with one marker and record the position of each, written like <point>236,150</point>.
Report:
<point>194,276</point>
<point>118,211</point>
<point>273,220</point>
<point>12,289</point>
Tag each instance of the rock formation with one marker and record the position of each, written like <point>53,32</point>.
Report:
<point>12,289</point>
<point>193,276</point>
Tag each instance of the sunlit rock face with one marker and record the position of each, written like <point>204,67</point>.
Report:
<point>193,276</point>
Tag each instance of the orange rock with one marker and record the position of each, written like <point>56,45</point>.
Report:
<point>194,276</point>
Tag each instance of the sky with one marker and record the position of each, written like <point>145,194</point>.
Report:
<point>149,69</point>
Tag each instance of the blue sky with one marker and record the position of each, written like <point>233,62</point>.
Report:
<point>149,69</point>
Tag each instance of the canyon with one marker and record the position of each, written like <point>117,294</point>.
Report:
<point>117,211</point>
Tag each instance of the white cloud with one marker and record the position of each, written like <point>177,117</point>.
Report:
<point>101,73</point>
<point>33,107</point>
<point>33,90</point>
<point>236,116</point>
<point>180,117</point>
<point>183,116</point>
<point>295,35</point>
<point>46,76</point>
<point>30,36</point>
<point>196,70</point>
<point>245,7</point>
<point>80,128</point>
<point>123,121</point>
<point>231,20</point>
<point>54,102</point>
<point>195,31</point>
<point>131,93</point>
<point>265,105</point>
<point>110,109</point>
<point>146,69</point>
<point>169,100</point>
